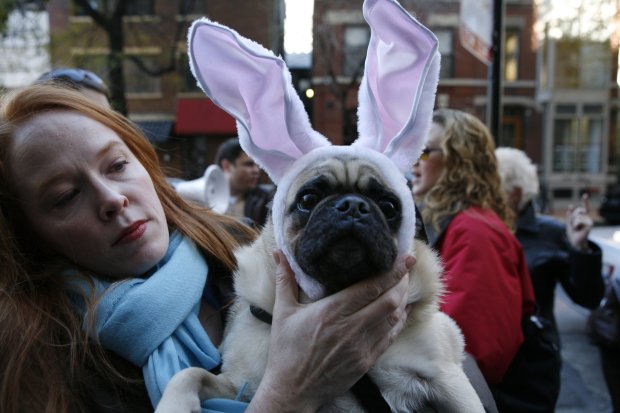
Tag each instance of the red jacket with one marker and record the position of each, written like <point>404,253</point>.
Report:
<point>488,288</point>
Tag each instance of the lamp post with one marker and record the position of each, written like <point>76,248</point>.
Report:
<point>496,74</point>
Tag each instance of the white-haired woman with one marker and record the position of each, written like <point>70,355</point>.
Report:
<point>555,252</point>
<point>468,221</point>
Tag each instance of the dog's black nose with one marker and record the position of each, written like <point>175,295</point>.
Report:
<point>352,205</point>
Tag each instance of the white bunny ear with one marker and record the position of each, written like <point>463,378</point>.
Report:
<point>254,86</point>
<point>397,92</point>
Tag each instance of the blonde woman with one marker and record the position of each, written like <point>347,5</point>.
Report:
<point>467,218</point>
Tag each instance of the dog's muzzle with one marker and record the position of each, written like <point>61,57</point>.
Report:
<point>346,240</point>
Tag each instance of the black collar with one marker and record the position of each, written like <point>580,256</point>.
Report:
<point>261,314</point>
<point>526,221</point>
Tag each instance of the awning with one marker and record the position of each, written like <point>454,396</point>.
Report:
<point>202,117</point>
<point>157,130</point>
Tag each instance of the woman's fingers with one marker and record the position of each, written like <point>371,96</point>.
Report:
<point>287,290</point>
<point>318,350</point>
<point>579,223</point>
<point>386,332</point>
<point>585,203</point>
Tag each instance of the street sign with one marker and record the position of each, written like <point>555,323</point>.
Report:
<point>476,28</point>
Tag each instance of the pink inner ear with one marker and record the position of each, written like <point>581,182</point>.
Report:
<point>254,86</point>
<point>396,67</point>
<point>248,86</point>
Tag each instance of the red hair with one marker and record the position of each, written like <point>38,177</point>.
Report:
<point>41,336</point>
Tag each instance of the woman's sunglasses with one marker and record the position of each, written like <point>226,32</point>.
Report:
<point>426,152</point>
<point>79,76</point>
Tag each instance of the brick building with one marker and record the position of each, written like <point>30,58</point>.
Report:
<point>184,126</point>
<point>559,95</point>
<point>559,92</point>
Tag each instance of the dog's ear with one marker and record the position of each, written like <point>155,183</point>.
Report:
<point>254,86</point>
<point>397,92</point>
<point>396,96</point>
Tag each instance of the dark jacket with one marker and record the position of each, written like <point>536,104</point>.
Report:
<point>258,204</point>
<point>551,259</point>
<point>100,393</point>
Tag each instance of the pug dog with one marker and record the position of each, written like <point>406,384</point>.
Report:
<point>340,213</point>
<point>342,230</point>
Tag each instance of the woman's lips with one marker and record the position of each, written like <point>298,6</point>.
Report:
<point>131,233</point>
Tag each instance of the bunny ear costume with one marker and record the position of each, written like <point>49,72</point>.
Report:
<point>396,99</point>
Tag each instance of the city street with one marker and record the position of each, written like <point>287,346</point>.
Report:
<point>583,388</point>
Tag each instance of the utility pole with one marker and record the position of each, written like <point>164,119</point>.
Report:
<point>496,74</point>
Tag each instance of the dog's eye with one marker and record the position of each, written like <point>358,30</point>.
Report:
<point>388,208</point>
<point>308,201</point>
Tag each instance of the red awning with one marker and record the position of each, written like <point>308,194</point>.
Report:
<point>202,117</point>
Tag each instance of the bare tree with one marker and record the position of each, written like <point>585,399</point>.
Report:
<point>338,66</point>
<point>329,56</point>
<point>589,21</point>
<point>109,16</point>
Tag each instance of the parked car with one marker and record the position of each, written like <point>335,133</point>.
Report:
<point>608,238</point>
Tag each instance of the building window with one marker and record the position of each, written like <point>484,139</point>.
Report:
<point>566,65</point>
<point>595,59</point>
<point>446,48</point>
<point>511,55</point>
<point>564,142</point>
<point>138,81</point>
<point>140,8</point>
<point>581,64</point>
<point>578,138</point>
<point>591,142</point>
<point>356,40</point>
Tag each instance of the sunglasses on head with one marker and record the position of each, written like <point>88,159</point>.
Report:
<point>78,76</point>
<point>426,152</point>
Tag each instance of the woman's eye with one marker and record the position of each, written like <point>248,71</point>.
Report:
<point>119,166</point>
<point>388,208</point>
<point>308,201</point>
<point>65,198</point>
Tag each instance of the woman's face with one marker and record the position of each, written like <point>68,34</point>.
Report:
<point>87,196</point>
<point>427,170</point>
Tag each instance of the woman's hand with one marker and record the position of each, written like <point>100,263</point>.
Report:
<point>319,350</point>
<point>578,224</point>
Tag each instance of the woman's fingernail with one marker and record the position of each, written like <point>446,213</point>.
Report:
<point>409,262</point>
<point>276,258</point>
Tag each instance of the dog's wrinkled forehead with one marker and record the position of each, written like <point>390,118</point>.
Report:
<point>350,173</point>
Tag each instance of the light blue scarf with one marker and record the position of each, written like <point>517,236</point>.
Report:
<point>153,322</point>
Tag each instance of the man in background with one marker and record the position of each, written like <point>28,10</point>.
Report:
<point>249,200</point>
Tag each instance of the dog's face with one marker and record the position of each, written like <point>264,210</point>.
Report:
<point>341,222</point>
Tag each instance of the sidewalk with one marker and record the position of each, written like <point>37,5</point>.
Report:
<point>583,387</point>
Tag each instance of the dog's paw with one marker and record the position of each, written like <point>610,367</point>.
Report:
<point>189,387</point>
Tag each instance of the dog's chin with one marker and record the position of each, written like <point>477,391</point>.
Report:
<point>346,260</point>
